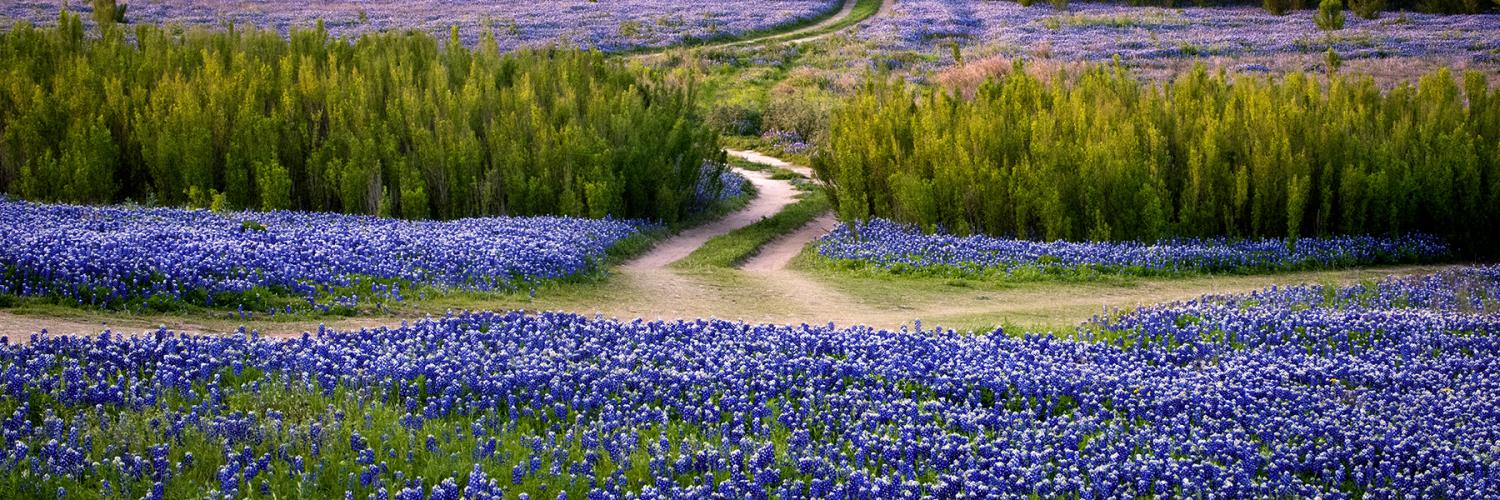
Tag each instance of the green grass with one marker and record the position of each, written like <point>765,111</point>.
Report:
<point>1083,273</point>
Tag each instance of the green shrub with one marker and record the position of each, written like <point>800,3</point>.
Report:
<point>1330,16</point>
<point>1106,156</point>
<point>1450,6</point>
<point>734,118</point>
<point>801,110</point>
<point>392,124</point>
<point>1277,7</point>
<point>1367,9</point>
<point>107,12</point>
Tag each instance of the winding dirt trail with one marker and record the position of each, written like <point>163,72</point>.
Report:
<point>773,195</point>
<point>771,161</point>
<point>800,34</point>
<point>811,32</point>
<point>778,253</point>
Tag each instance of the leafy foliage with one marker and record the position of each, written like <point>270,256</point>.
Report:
<point>1107,157</point>
<point>1367,9</point>
<point>393,124</point>
<point>1277,7</point>
<point>1330,16</point>
<point>108,12</point>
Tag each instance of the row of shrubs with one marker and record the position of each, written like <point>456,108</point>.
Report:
<point>398,124</point>
<point>1108,157</point>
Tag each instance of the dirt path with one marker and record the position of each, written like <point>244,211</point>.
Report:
<point>773,196</point>
<point>800,34</point>
<point>811,32</point>
<point>886,6</point>
<point>19,327</point>
<point>780,297</point>
<point>757,157</point>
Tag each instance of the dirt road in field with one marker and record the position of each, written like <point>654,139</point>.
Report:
<point>816,31</point>
<point>811,32</point>
<point>777,254</point>
<point>763,290</point>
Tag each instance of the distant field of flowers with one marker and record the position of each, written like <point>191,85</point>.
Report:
<point>1101,31</point>
<point>609,25</point>
<point>124,256</point>
<point>1384,389</point>
<point>889,246</point>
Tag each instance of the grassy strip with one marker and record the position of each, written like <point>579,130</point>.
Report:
<point>734,248</point>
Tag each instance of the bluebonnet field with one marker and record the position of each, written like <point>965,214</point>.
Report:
<point>1101,31</point>
<point>890,246</point>
<point>608,25</point>
<point>1385,389</point>
<point>127,256</point>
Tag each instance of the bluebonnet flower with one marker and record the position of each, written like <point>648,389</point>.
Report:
<point>91,255</point>
<point>887,245</point>
<point>1105,30</point>
<point>616,25</point>
<point>1379,389</point>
